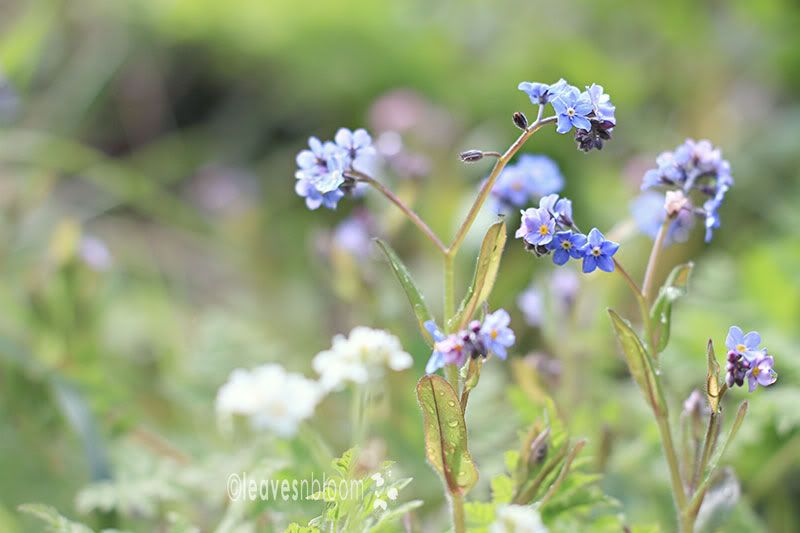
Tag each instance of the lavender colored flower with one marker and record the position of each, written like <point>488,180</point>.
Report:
<point>322,165</point>
<point>744,345</point>
<point>530,303</point>
<point>541,93</point>
<point>558,208</point>
<point>530,176</point>
<point>567,244</point>
<point>694,166</point>
<point>447,349</point>
<point>601,103</point>
<point>314,198</point>
<point>356,145</point>
<point>598,252</point>
<point>495,333</point>
<point>649,214</point>
<point>761,372</point>
<point>572,109</point>
<point>537,227</point>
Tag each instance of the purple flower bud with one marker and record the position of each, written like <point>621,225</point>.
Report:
<point>520,120</point>
<point>471,156</point>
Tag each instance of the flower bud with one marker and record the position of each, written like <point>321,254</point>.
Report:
<point>520,120</point>
<point>538,449</point>
<point>674,201</point>
<point>471,156</point>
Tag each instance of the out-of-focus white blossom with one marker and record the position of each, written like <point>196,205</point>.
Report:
<point>270,397</point>
<point>517,519</point>
<point>362,356</point>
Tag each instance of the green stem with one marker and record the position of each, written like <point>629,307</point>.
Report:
<point>652,263</point>
<point>678,492</point>
<point>449,312</point>
<point>457,505</point>
<point>708,447</point>
<point>407,211</point>
<point>501,163</point>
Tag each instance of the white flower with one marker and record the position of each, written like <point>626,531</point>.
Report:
<point>378,478</point>
<point>517,519</point>
<point>392,493</point>
<point>360,357</point>
<point>379,504</point>
<point>270,397</point>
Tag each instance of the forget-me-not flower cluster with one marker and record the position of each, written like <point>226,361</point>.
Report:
<point>478,339</point>
<point>696,168</point>
<point>746,360</point>
<point>590,112</point>
<point>550,229</point>
<point>321,169</point>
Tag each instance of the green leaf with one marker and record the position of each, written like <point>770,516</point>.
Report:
<point>388,519</point>
<point>502,489</point>
<point>661,312</point>
<point>485,274</point>
<point>712,378</point>
<point>415,297</point>
<point>479,513</point>
<point>294,527</point>
<point>639,362</point>
<point>446,434</point>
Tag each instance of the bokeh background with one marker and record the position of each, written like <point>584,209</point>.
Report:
<point>151,239</point>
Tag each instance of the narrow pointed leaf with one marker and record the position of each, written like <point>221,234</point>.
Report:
<point>415,297</point>
<point>446,434</point>
<point>485,274</point>
<point>639,362</point>
<point>712,379</point>
<point>661,313</point>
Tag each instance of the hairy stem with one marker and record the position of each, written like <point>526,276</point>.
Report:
<point>412,216</point>
<point>652,263</point>
<point>678,492</point>
<point>457,505</point>
<point>449,311</point>
<point>501,163</point>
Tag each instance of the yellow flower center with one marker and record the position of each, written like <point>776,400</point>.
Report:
<point>543,229</point>
<point>566,245</point>
<point>756,371</point>
<point>741,348</point>
<point>494,334</point>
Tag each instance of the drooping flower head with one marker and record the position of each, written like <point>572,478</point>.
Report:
<point>598,252</point>
<point>697,169</point>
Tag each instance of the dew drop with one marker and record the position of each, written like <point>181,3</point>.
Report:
<point>453,423</point>
<point>451,403</point>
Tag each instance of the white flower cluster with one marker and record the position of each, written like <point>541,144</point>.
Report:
<point>276,400</point>
<point>360,357</point>
<point>517,519</point>
<point>272,398</point>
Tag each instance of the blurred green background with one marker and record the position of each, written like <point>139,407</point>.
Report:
<point>167,129</point>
